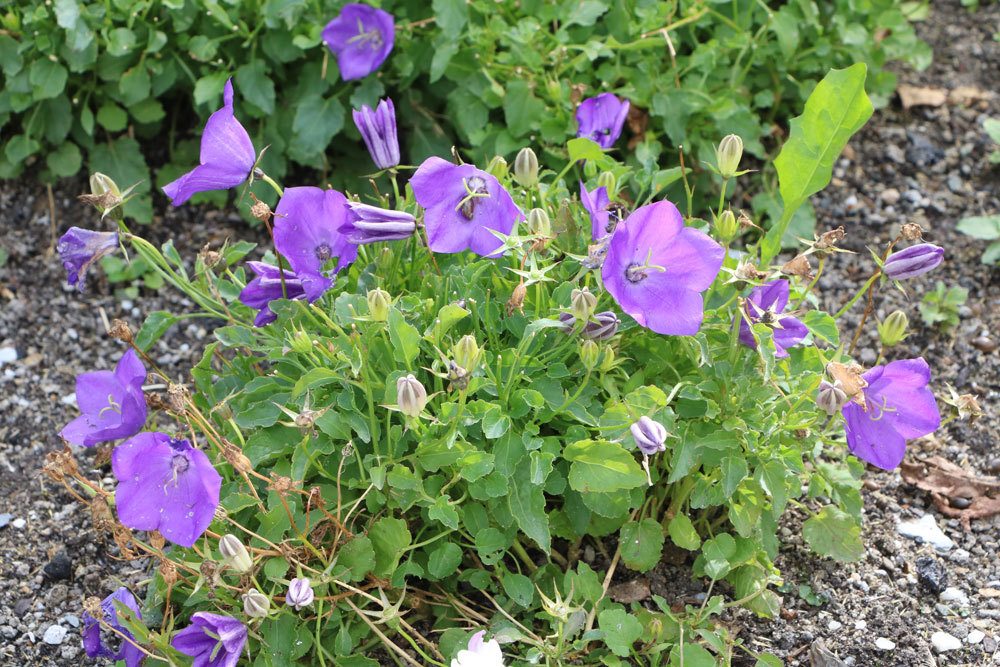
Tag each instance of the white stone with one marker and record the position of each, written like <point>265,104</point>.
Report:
<point>19,523</point>
<point>54,634</point>
<point>925,528</point>
<point>833,626</point>
<point>884,644</point>
<point>960,555</point>
<point>943,642</point>
<point>957,595</point>
<point>860,625</point>
<point>68,399</point>
<point>7,355</point>
<point>976,636</point>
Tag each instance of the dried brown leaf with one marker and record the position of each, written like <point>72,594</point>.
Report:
<point>920,96</point>
<point>945,480</point>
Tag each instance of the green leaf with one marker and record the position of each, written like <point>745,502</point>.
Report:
<point>772,475</point>
<point>389,537</point>
<point>209,87</point>
<point>444,560</point>
<point>527,505</point>
<point>156,324</point>
<point>286,640</point>
<point>20,147</point>
<point>256,87</point>
<point>120,42</point>
<point>683,533</point>
<point>47,78</point>
<point>734,470</point>
<point>822,325</point>
<point>358,556</point>
<point>519,588</point>
<point>112,117</point>
<point>583,148</point>
<point>834,533</point>
<point>317,121</point>
<point>134,85</point>
<point>602,467</point>
<point>65,160</point>
<point>641,544</point>
<point>442,510</point>
<point>450,15</point>
<point>67,13</point>
<point>147,111</point>
<point>621,630</point>
<point>984,227</point>
<point>405,338</point>
<point>522,110</point>
<point>495,423</point>
<point>691,655</point>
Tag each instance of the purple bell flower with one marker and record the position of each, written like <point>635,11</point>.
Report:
<point>371,224</point>
<point>898,406</point>
<point>913,261</point>
<point>601,119</point>
<point>227,155</point>
<point>378,129</point>
<point>117,647</point>
<point>165,484</point>
<point>601,326</point>
<point>596,203</point>
<point>650,435</point>
<point>112,404</point>
<point>766,303</point>
<point>266,287</point>
<point>656,269</point>
<point>464,206</point>
<point>300,593</point>
<point>213,640</point>
<point>361,37</point>
<point>80,248</point>
<point>308,230</point>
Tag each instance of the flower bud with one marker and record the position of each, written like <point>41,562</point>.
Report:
<point>831,398</point>
<point>102,183</point>
<point>105,196</point>
<point>650,436</point>
<point>498,167</point>
<point>234,554</point>
<point>590,354</point>
<point>256,604</point>
<point>607,359</point>
<point>526,168</point>
<point>607,181</point>
<point>539,223</point>
<point>300,593</point>
<point>301,342</point>
<point>726,227</point>
<point>602,326</point>
<point>411,397</point>
<point>582,304</point>
<point>892,330</point>
<point>913,261</point>
<point>379,303</point>
<point>728,155</point>
<point>466,352</point>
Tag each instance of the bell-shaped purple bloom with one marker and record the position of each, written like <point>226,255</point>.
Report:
<point>213,640</point>
<point>378,129</point>
<point>649,435</point>
<point>227,155</point>
<point>898,406</point>
<point>308,230</point>
<point>766,304</point>
<point>165,484</point>
<point>596,203</point>
<point>266,287</point>
<point>913,261</point>
<point>601,119</point>
<point>464,206</point>
<point>300,593</point>
<point>112,404</point>
<point>80,248</point>
<point>114,646</point>
<point>656,269</point>
<point>371,224</point>
<point>361,37</point>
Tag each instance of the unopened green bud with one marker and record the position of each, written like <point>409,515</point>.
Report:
<point>411,397</point>
<point>539,223</point>
<point>101,184</point>
<point>608,359</point>
<point>466,352</point>
<point>498,167</point>
<point>582,304</point>
<point>301,342</point>
<point>726,227</point>
<point>526,168</point>
<point>105,196</point>
<point>892,330</point>
<point>590,354</point>
<point>234,554</point>
<point>379,303</point>
<point>608,182</point>
<point>728,155</point>
<point>589,169</point>
<point>256,604</point>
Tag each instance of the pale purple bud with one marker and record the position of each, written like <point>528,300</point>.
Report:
<point>300,593</point>
<point>256,604</point>
<point>371,224</point>
<point>649,435</point>
<point>913,261</point>
<point>378,129</point>
<point>831,398</point>
<point>411,397</point>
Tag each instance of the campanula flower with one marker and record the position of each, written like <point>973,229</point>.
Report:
<point>165,484</point>
<point>649,435</point>
<point>227,155</point>
<point>656,269</point>
<point>234,554</point>
<point>116,647</point>
<point>601,326</point>
<point>361,37</point>
<point>371,224</point>
<point>601,119</point>
<point>464,207</point>
<point>266,287</point>
<point>300,593</point>
<point>213,640</point>
<point>308,224</point>
<point>479,653</point>
<point>913,261</point>
<point>378,129</point>
<point>80,248</point>
<point>112,404</point>
<point>895,406</point>
<point>597,204</point>
<point>411,397</point>
<point>766,304</point>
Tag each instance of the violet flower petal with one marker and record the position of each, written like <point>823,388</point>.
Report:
<point>874,441</point>
<point>213,640</point>
<point>92,643</point>
<point>80,248</point>
<point>596,203</point>
<point>378,129</point>
<point>361,37</point>
<point>772,297</point>
<point>913,261</point>
<point>112,404</point>
<point>266,287</point>
<point>601,118</point>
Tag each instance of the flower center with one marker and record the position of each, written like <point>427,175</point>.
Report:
<point>112,405</point>
<point>877,411</point>
<point>475,188</point>
<point>323,252</point>
<point>635,272</point>
<point>372,38</point>
<point>180,464</point>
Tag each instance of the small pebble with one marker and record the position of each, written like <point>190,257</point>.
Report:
<point>5,519</point>
<point>59,567</point>
<point>884,644</point>
<point>890,196</point>
<point>925,528</point>
<point>931,574</point>
<point>54,635</point>
<point>19,523</point>
<point>943,642</point>
<point>833,626</point>
<point>975,636</point>
<point>960,503</point>
<point>860,625</point>
<point>8,355</point>
<point>956,595</point>
<point>984,344</point>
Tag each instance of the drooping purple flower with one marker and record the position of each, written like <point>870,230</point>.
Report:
<point>371,224</point>
<point>766,304</point>
<point>80,248</point>
<point>361,37</point>
<point>601,326</point>
<point>656,269</point>
<point>114,646</point>
<point>601,119</point>
<point>227,155</point>
<point>649,435</point>
<point>913,261</point>
<point>596,203</point>
<point>112,404</point>
<point>300,593</point>
<point>464,206</point>
<point>378,129</point>
<point>308,230</point>
<point>213,640</point>
<point>898,406</point>
<point>165,484</point>
<point>266,287</point>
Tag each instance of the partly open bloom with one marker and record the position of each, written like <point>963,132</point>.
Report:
<point>649,435</point>
<point>601,119</point>
<point>165,484</point>
<point>479,653</point>
<point>308,224</point>
<point>766,304</point>
<point>378,129</point>
<point>227,155</point>
<point>656,269</point>
<point>913,261</point>
<point>300,593</point>
<point>80,248</point>
<point>213,640</point>
<point>112,404</point>
<point>266,287</point>
<point>464,207</point>
<point>361,37</point>
<point>895,406</point>
<point>117,647</point>
<point>597,203</point>
<point>371,224</point>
